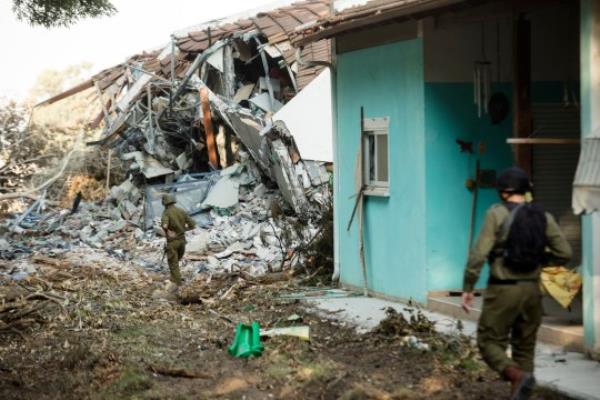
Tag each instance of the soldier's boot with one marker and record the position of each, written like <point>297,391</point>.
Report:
<point>522,382</point>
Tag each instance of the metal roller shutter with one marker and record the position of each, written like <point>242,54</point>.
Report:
<point>554,167</point>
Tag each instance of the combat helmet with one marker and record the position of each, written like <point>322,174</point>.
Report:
<point>168,199</point>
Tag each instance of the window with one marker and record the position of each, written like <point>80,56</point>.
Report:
<point>376,156</point>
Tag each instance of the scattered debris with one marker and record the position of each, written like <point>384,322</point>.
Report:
<point>247,341</point>
<point>395,323</point>
<point>301,331</point>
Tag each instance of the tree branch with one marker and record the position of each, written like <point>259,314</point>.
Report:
<point>66,159</point>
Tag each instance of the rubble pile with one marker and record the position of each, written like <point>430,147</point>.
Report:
<point>237,231</point>
<point>215,89</point>
<point>199,119</point>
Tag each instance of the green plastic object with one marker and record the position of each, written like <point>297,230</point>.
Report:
<point>247,341</point>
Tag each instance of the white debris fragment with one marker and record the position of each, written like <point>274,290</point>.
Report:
<point>225,194</point>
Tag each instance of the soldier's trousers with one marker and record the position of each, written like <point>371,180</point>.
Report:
<point>511,314</point>
<point>175,250</point>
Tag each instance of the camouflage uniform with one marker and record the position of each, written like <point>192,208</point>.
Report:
<point>512,308</point>
<point>176,221</point>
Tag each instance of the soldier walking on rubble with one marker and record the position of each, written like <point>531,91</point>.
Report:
<point>175,222</point>
<point>517,239</point>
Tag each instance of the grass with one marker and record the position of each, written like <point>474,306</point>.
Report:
<point>130,383</point>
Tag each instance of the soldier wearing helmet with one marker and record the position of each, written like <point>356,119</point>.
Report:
<point>175,222</point>
<point>517,238</point>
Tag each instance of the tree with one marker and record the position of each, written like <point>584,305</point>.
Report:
<point>53,13</point>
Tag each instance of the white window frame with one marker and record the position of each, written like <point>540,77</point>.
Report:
<point>375,127</point>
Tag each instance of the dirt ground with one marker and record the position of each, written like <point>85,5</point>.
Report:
<point>89,330</point>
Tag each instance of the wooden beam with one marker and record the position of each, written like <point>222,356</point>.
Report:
<point>68,93</point>
<point>523,118</point>
<point>209,131</point>
<point>530,141</point>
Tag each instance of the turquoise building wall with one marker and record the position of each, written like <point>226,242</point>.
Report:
<point>449,115</point>
<point>590,268</point>
<point>387,81</point>
<point>416,240</point>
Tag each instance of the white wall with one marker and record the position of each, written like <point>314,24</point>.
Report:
<point>309,118</point>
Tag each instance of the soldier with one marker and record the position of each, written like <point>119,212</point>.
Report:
<point>516,238</point>
<point>175,222</point>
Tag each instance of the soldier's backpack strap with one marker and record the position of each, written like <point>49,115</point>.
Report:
<point>499,250</point>
<point>509,221</point>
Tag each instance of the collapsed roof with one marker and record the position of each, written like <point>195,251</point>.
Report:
<point>187,107</point>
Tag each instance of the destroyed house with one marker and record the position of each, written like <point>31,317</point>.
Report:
<point>218,94</point>
<point>433,98</point>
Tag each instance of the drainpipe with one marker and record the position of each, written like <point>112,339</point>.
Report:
<point>336,176</point>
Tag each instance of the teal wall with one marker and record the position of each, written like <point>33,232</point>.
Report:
<point>416,240</point>
<point>387,81</point>
<point>449,115</point>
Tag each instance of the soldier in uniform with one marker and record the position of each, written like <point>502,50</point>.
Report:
<point>175,222</point>
<point>512,308</point>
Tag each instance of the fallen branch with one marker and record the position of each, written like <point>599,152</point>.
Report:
<point>224,318</point>
<point>28,193</point>
<point>52,262</point>
<point>308,278</point>
<point>178,372</point>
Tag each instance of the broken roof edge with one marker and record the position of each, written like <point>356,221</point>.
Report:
<point>87,84</point>
<point>163,51</point>
<point>367,15</point>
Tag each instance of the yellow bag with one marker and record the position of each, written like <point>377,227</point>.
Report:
<point>560,283</point>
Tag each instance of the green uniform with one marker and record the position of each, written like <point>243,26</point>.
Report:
<point>512,303</point>
<point>178,221</point>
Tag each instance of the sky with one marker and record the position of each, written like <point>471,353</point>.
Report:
<point>139,25</point>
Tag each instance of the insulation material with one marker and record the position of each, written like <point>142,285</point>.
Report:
<point>247,129</point>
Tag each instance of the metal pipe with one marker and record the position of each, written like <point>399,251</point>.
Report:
<point>266,68</point>
<point>172,60</point>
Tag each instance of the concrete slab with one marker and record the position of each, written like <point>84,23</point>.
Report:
<point>560,329</point>
<point>567,372</point>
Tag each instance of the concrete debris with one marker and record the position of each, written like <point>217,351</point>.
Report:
<point>146,164</point>
<point>195,121</point>
<point>243,93</point>
<point>225,194</point>
<point>238,233</point>
<point>265,103</point>
<point>213,102</point>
